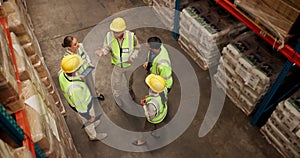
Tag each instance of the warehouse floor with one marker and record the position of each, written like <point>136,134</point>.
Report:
<point>231,136</point>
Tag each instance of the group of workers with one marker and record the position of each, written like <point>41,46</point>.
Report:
<point>79,90</point>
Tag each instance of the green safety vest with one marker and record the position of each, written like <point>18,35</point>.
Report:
<point>160,104</point>
<point>83,55</point>
<point>162,62</point>
<point>121,55</point>
<point>75,91</point>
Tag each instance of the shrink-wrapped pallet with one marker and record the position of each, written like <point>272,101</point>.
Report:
<point>208,28</point>
<point>24,68</point>
<point>6,64</point>
<point>282,129</point>
<point>253,67</point>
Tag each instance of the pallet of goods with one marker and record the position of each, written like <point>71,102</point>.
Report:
<point>205,28</point>
<point>282,129</point>
<point>249,68</point>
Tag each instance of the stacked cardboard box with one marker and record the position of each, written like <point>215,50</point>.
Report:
<point>9,92</point>
<point>249,70</point>
<point>282,129</point>
<point>18,21</point>
<point>39,97</point>
<point>281,18</point>
<point>206,28</point>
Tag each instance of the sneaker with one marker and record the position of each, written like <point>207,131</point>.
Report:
<point>139,143</point>
<point>101,97</point>
<point>100,136</point>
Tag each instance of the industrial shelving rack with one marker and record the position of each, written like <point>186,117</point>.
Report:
<point>292,54</point>
<point>293,57</point>
<point>20,116</point>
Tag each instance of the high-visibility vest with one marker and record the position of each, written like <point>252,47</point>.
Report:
<point>81,52</point>
<point>121,55</point>
<point>162,61</point>
<point>75,91</point>
<point>160,104</point>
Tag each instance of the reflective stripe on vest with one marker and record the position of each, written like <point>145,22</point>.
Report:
<point>68,85</point>
<point>161,108</point>
<point>127,44</point>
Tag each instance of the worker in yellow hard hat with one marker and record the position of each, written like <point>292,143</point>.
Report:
<point>78,95</point>
<point>123,46</point>
<point>74,47</point>
<point>155,106</point>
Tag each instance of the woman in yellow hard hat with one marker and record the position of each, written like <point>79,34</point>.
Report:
<point>78,94</point>
<point>123,46</point>
<point>155,106</point>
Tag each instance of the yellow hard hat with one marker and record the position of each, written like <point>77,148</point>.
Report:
<point>118,25</point>
<point>71,63</point>
<point>156,83</point>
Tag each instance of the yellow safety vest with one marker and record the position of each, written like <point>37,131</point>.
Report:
<point>160,104</point>
<point>162,62</point>
<point>75,91</point>
<point>121,55</point>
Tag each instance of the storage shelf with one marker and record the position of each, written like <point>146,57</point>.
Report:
<point>286,50</point>
<point>20,116</point>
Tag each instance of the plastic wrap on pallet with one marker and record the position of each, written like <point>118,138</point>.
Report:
<point>6,65</point>
<point>280,18</point>
<point>283,127</point>
<point>164,12</point>
<point>18,25</point>
<point>208,28</point>
<point>252,67</point>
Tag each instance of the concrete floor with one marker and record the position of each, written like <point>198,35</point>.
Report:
<point>231,136</point>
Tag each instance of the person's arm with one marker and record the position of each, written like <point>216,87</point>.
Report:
<point>149,109</point>
<point>136,48</point>
<point>83,50</point>
<point>105,49</point>
<point>165,71</point>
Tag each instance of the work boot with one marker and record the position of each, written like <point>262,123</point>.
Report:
<point>101,97</point>
<point>100,136</point>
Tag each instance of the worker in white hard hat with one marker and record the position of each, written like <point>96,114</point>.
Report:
<point>78,95</point>
<point>123,46</point>
<point>155,106</point>
<point>74,47</point>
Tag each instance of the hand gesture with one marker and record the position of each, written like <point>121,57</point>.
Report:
<point>145,65</point>
<point>99,52</point>
<point>143,102</point>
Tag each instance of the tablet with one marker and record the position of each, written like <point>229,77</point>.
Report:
<point>87,70</point>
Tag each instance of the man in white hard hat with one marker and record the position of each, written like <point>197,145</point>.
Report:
<point>78,95</point>
<point>155,106</point>
<point>123,47</point>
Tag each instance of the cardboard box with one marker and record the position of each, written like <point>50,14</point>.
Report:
<point>278,16</point>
